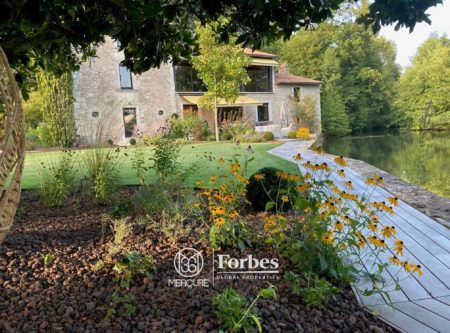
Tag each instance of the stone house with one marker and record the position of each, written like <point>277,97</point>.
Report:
<point>111,103</point>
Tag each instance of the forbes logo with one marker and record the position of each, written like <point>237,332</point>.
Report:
<point>249,263</point>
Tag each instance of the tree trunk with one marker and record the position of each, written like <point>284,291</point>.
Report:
<point>12,146</point>
<point>216,119</point>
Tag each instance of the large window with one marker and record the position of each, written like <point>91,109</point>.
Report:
<point>186,79</point>
<point>126,81</point>
<point>263,113</point>
<point>261,79</point>
<point>129,121</point>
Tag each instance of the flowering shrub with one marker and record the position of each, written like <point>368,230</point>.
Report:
<point>303,133</point>
<point>222,204</point>
<point>334,231</point>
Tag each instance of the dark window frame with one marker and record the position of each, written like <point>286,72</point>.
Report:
<point>125,124</point>
<point>269,83</point>
<point>192,82</point>
<point>267,105</point>
<point>120,79</point>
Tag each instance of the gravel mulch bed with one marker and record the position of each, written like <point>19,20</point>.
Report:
<point>68,295</point>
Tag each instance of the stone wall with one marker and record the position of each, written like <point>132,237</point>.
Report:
<point>99,100</point>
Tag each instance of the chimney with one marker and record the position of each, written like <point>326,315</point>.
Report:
<point>284,69</point>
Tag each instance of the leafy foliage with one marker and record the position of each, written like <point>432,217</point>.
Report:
<point>314,290</point>
<point>222,69</point>
<point>133,264</point>
<point>358,70</point>
<point>269,188</point>
<point>423,91</point>
<point>57,180</point>
<point>236,315</point>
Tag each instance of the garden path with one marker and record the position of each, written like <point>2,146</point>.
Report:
<point>423,303</point>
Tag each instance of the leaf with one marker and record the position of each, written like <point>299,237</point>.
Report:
<point>323,262</point>
<point>268,293</point>
<point>269,205</point>
<point>257,322</point>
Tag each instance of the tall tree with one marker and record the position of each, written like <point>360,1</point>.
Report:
<point>56,32</point>
<point>423,91</point>
<point>358,64</point>
<point>222,67</point>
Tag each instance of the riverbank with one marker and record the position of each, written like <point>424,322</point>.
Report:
<point>428,203</point>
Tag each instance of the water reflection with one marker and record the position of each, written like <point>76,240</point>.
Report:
<point>420,158</point>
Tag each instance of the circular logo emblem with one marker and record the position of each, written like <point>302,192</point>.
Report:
<point>188,262</point>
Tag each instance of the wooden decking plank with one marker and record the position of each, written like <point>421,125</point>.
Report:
<point>429,318</point>
<point>435,306</point>
<point>400,319</point>
<point>423,303</point>
<point>444,299</point>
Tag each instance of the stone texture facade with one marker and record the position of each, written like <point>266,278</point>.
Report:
<point>100,100</point>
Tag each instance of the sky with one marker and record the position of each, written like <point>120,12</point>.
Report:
<point>407,43</point>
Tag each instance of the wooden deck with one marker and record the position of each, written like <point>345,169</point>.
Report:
<point>423,303</point>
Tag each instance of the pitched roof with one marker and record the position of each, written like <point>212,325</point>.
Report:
<point>294,79</point>
<point>284,77</point>
<point>258,54</point>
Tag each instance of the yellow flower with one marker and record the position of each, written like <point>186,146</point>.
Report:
<point>294,178</point>
<point>307,176</point>
<point>361,243</point>
<point>341,173</point>
<point>395,261</point>
<point>407,266</point>
<point>388,232</point>
<point>308,165</point>
<point>235,167</point>
<point>197,204</point>
<point>233,214</point>
<point>398,247</point>
<point>328,237</point>
<point>217,210</point>
<point>340,160</point>
<point>284,198</point>
<point>298,157</point>
<point>417,269</point>
<point>219,221</point>
<point>393,201</point>
<point>349,184</point>
<point>338,225</point>
<point>319,150</point>
<point>259,176</point>
<point>199,182</point>
<point>221,160</point>
<point>302,188</point>
<point>373,227</point>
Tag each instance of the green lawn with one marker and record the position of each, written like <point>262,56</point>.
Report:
<point>197,154</point>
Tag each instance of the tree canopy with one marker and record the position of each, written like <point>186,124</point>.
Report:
<point>222,68</point>
<point>422,95</point>
<point>59,34</point>
<point>357,66</point>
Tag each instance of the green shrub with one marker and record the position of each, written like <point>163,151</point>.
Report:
<point>132,142</point>
<point>42,133</point>
<point>251,137</point>
<point>151,200</point>
<point>314,291</point>
<point>266,186</point>
<point>133,264</point>
<point>165,159</point>
<point>269,136</point>
<point>189,126</point>
<point>235,312</point>
<point>292,135</point>
<point>102,167</point>
<point>57,180</point>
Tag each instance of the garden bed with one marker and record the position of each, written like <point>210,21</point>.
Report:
<point>72,293</point>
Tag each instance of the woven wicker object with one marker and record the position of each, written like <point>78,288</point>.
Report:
<point>12,145</point>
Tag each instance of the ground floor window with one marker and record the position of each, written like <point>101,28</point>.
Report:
<point>263,113</point>
<point>190,110</point>
<point>229,113</point>
<point>129,121</point>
